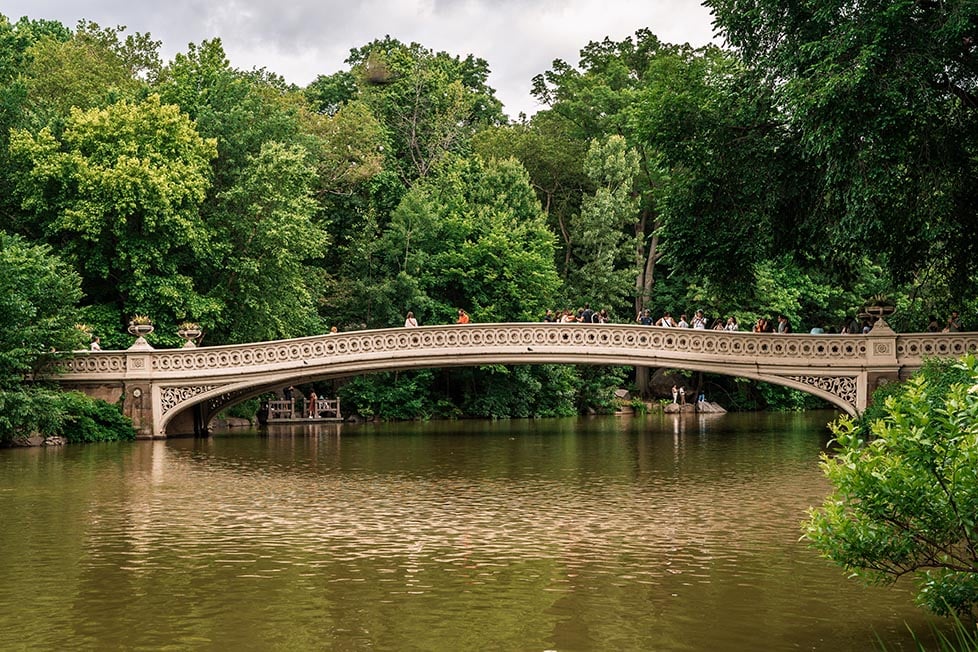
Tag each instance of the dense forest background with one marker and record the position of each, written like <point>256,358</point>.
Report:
<point>825,156</point>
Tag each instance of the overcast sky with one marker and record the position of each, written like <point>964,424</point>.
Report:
<point>300,39</point>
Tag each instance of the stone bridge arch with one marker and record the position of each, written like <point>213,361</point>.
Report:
<point>177,391</point>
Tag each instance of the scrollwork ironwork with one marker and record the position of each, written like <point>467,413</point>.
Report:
<point>842,386</point>
<point>171,397</point>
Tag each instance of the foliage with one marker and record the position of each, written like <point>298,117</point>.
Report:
<point>963,637</point>
<point>31,410</point>
<point>880,98</point>
<point>91,69</point>
<point>596,388</point>
<point>429,103</point>
<point>243,410</point>
<point>263,283</point>
<point>786,399</point>
<point>472,237</point>
<point>40,294</point>
<point>389,395</point>
<point>120,189</point>
<point>88,420</point>
<point>553,157</point>
<point>905,500</point>
<point>604,270</point>
<point>521,391</point>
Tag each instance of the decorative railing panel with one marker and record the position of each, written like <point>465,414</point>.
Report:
<point>917,346</point>
<point>706,344</point>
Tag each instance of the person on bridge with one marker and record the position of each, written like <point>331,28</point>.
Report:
<point>666,320</point>
<point>784,326</point>
<point>95,344</point>
<point>953,323</point>
<point>587,315</point>
<point>463,317</point>
<point>410,321</point>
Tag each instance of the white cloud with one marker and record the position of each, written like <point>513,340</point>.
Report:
<point>300,39</point>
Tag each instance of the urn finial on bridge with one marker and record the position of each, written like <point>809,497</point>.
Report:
<point>140,326</point>
<point>191,332</point>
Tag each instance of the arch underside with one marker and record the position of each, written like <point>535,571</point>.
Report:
<point>839,387</point>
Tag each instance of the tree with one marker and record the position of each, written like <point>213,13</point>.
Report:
<point>605,270</point>
<point>38,322</point>
<point>881,99</point>
<point>40,293</point>
<point>119,192</point>
<point>707,178</point>
<point>429,103</point>
<point>905,495</point>
<point>553,157</point>
<point>266,289</point>
<point>91,69</point>
<point>473,236</point>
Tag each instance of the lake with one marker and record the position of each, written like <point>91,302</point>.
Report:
<point>653,532</point>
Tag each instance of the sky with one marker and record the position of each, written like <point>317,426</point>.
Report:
<point>301,39</point>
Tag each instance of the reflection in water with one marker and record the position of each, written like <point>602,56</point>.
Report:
<point>671,532</point>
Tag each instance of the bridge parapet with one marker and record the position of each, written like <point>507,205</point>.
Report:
<point>913,348</point>
<point>696,343</point>
<point>159,384</point>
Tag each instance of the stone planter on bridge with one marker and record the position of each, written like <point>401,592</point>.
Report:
<point>140,327</point>
<point>190,332</point>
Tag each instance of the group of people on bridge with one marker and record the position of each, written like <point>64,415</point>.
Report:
<point>701,322</point>
<point>781,325</point>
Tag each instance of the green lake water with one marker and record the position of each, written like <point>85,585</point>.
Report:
<point>654,532</point>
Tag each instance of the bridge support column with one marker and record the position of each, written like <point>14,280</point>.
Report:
<point>137,397</point>
<point>882,366</point>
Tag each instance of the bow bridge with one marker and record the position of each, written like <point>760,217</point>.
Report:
<point>178,391</point>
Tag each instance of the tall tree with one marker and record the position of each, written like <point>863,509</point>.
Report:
<point>119,192</point>
<point>553,156</point>
<point>697,156</point>
<point>266,289</point>
<point>881,96</point>
<point>41,293</point>
<point>473,237</point>
<point>430,103</point>
<point>605,267</point>
<point>266,224</point>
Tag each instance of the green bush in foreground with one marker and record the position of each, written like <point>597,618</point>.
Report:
<point>36,410</point>
<point>906,493</point>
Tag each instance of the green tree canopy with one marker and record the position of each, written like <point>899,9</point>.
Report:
<point>41,293</point>
<point>473,237</point>
<point>881,98</point>
<point>430,103</point>
<point>119,192</point>
<point>707,181</point>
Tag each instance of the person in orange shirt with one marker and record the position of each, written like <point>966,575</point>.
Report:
<point>463,317</point>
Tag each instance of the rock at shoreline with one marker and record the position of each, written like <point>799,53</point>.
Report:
<point>701,407</point>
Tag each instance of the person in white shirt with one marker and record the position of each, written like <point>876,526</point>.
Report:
<point>410,321</point>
